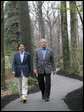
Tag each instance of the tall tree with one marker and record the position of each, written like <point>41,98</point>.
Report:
<point>2,48</point>
<point>65,41</point>
<point>11,26</point>
<point>74,38</point>
<point>80,11</point>
<point>25,24</point>
<point>50,18</point>
<point>40,19</point>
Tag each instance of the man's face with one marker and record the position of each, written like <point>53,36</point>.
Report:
<point>21,47</point>
<point>43,43</point>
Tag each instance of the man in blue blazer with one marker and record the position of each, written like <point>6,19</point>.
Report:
<point>21,67</point>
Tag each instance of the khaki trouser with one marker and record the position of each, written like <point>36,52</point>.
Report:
<point>23,86</point>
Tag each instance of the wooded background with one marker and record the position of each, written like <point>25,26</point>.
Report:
<point>60,22</point>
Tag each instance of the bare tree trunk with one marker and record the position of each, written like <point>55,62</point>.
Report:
<point>65,41</point>
<point>2,49</point>
<point>79,13</point>
<point>40,19</point>
<point>58,35</point>
<point>26,28</point>
<point>51,38</point>
<point>74,38</point>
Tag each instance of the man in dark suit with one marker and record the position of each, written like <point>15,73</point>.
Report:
<point>21,68</point>
<point>43,66</point>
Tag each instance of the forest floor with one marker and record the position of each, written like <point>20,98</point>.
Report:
<point>74,100</point>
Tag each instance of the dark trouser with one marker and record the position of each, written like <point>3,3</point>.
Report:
<point>44,81</point>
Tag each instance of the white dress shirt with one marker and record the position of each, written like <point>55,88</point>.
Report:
<point>21,56</point>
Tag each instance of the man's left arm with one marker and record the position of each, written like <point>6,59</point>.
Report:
<point>29,62</point>
<point>53,63</point>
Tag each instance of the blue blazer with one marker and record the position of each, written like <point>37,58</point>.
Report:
<point>25,66</point>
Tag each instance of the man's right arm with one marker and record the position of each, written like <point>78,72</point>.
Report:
<point>13,65</point>
<point>35,63</point>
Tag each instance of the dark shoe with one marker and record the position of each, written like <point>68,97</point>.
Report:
<point>43,97</point>
<point>46,99</point>
<point>24,101</point>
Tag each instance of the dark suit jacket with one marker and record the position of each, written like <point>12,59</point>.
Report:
<point>25,65</point>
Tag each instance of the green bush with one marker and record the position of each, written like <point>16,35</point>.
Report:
<point>8,71</point>
<point>81,68</point>
<point>81,59</point>
<point>32,81</point>
<point>13,86</point>
<point>59,64</point>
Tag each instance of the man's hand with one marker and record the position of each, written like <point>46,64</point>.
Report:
<point>13,73</point>
<point>54,72</point>
<point>35,72</point>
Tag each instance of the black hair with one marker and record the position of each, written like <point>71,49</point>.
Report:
<point>20,44</point>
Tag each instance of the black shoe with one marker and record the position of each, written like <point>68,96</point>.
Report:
<point>24,101</point>
<point>46,99</point>
<point>43,97</point>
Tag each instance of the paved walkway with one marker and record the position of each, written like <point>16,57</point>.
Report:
<point>60,87</point>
